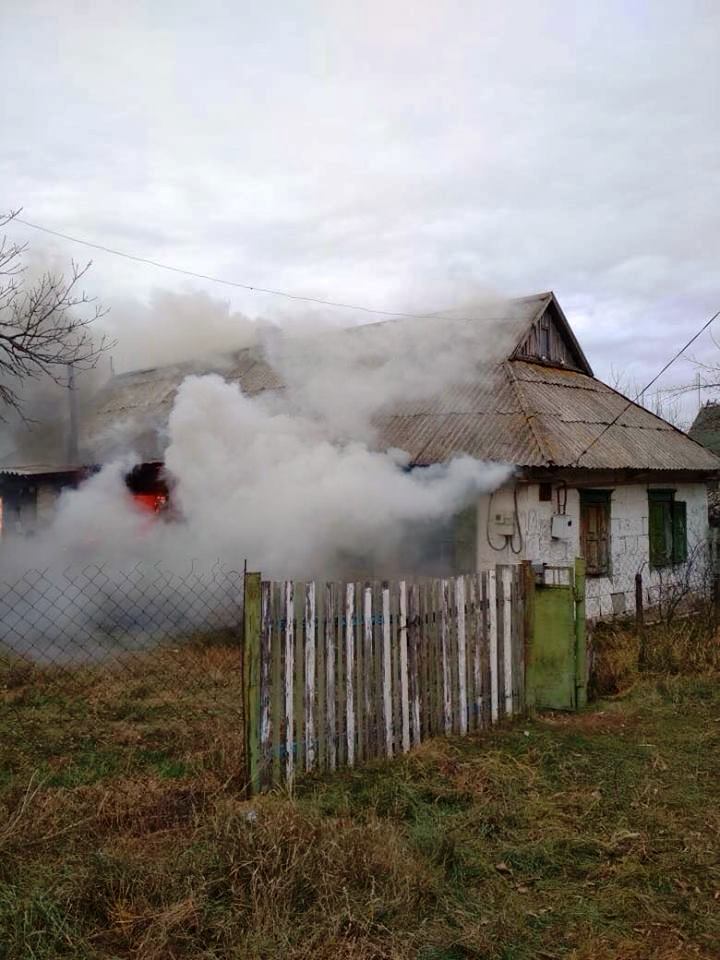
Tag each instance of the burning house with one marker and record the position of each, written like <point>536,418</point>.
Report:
<point>593,473</point>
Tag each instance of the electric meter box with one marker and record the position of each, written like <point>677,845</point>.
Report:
<point>561,527</point>
<point>502,523</point>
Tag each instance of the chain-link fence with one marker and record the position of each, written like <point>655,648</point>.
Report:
<point>670,624</point>
<point>125,662</point>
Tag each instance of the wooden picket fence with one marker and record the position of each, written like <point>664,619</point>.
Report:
<point>342,673</point>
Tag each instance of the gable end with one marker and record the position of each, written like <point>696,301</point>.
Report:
<point>550,341</point>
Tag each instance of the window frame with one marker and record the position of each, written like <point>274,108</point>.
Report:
<point>593,498</point>
<point>666,515</point>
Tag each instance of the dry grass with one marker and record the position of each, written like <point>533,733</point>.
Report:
<point>687,646</point>
<point>123,834</point>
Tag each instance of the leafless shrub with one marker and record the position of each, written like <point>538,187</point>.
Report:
<point>679,634</point>
<point>685,590</point>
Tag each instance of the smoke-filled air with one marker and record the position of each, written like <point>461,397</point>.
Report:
<point>292,478</point>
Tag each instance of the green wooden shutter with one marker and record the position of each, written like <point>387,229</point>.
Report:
<point>656,523</point>
<point>679,528</point>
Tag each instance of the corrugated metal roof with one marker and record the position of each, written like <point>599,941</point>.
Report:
<point>37,470</point>
<point>538,416</point>
<point>434,438</point>
<point>133,409</point>
<point>529,414</point>
<point>572,411</point>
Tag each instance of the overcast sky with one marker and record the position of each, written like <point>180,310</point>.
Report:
<point>399,154</point>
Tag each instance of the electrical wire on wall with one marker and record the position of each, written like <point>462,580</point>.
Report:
<point>516,520</point>
<point>507,540</point>
<point>562,507</point>
<point>487,527</point>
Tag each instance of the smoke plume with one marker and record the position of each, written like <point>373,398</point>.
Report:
<point>291,479</point>
<point>298,503</point>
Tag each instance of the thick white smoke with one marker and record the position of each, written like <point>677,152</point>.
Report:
<point>343,379</point>
<point>292,500</point>
<point>292,479</point>
<point>174,328</point>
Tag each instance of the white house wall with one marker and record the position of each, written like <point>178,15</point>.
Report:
<point>629,544</point>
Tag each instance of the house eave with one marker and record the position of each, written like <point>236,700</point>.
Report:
<point>589,477</point>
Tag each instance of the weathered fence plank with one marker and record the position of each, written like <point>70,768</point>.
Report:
<point>479,639</point>
<point>299,694</point>
<point>277,696</point>
<point>404,690</point>
<point>368,676</point>
<point>310,705</point>
<point>341,677</point>
<point>252,630</point>
<point>330,696</point>
<point>266,638</point>
<point>414,644</point>
<point>423,652</point>
<point>461,653</point>
<point>387,685</point>
<point>493,630</point>
<point>475,681</point>
<point>395,654</point>
<point>320,689</point>
<point>507,639</point>
<point>500,614</point>
<point>289,681</point>
<point>445,642</point>
<point>349,671</point>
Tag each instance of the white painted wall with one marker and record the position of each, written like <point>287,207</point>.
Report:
<point>629,537</point>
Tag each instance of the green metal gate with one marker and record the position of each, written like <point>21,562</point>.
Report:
<point>556,656</point>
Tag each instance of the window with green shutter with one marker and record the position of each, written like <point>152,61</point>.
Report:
<point>667,527</point>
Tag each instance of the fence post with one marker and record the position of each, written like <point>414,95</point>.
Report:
<point>251,681</point>
<point>528,631</point>
<point>715,564</point>
<point>640,619</point>
<point>580,638</point>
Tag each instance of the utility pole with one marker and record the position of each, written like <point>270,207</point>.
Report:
<point>73,453</point>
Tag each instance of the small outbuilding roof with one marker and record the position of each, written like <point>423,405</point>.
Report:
<point>38,470</point>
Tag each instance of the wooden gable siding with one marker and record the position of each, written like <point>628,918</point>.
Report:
<point>548,342</point>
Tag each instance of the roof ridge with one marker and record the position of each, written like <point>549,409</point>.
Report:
<point>543,450</point>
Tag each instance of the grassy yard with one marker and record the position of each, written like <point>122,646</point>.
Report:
<point>123,835</point>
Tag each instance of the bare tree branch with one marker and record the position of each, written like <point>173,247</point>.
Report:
<point>45,327</point>
<point>663,403</point>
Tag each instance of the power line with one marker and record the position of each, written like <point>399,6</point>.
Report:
<point>657,376</point>
<point>232,283</point>
<point>337,305</point>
